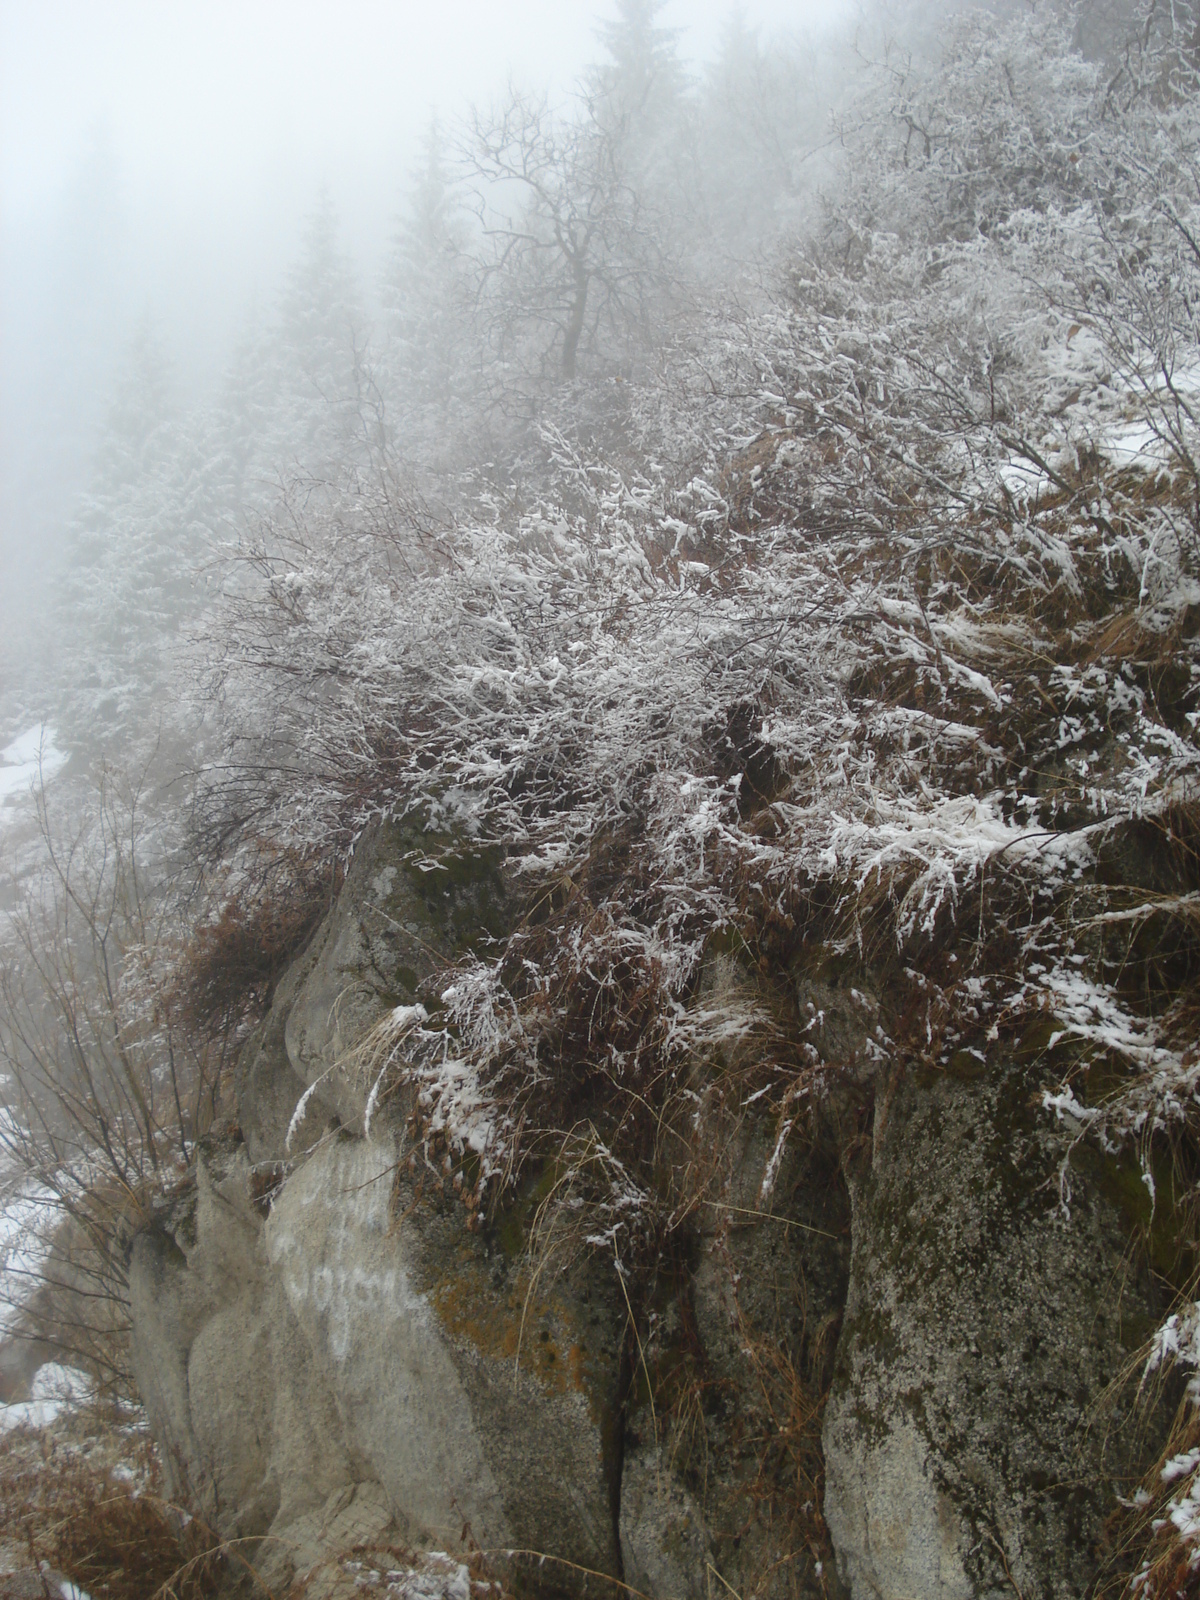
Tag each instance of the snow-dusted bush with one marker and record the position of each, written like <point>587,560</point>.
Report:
<point>797,645</point>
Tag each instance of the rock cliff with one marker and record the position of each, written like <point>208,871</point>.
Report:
<point>882,1359</point>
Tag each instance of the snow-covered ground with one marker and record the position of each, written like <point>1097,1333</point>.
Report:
<point>31,758</point>
<point>55,1389</point>
<point>27,1219</point>
<point>28,1211</point>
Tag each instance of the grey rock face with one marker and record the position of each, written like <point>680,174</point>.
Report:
<point>267,1087</point>
<point>349,1284</point>
<point>418,1330</point>
<point>248,1429</point>
<point>665,1543</point>
<point>323,1347</point>
<point>967,1448</point>
<point>740,1347</point>
<point>334,1347</point>
<point>410,901</point>
<point>355,1515</point>
<point>721,1468</point>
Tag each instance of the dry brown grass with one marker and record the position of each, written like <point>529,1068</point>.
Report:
<point>100,1521</point>
<point>1147,1556</point>
<point>788,1489</point>
<point>231,965</point>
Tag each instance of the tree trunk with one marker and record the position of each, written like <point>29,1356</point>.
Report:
<point>575,325</point>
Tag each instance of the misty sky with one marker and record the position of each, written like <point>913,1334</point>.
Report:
<point>157,158</point>
<point>216,123</point>
<point>218,98</point>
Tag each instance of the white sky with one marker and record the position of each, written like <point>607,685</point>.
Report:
<point>208,92</point>
<point>200,93</point>
<point>225,119</point>
<point>219,123</point>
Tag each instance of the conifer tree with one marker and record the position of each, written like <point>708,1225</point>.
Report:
<point>317,358</point>
<point>763,115</point>
<point>301,398</point>
<point>136,545</point>
<point>642,81</point>
<point>427,305</point>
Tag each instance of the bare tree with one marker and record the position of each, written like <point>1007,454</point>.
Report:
<point>579,212</point>
<point>571,253</point>
<point>103,1088</point>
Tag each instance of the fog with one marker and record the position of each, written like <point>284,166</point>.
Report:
<point>156,165</point>
<point>589,598</point>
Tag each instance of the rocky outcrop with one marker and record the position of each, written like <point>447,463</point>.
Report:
<point>411,900</point>
<point>324,1349</point>
<point>331,1348</point>
<point>971,1440</point>
<point>310,1331</point>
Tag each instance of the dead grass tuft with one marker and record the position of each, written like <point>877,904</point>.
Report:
<point>102,1524</point>
<point>232,964</point>
<point>1149,1556</point>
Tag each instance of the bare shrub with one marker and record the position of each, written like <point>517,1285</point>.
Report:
<point>102,1525</point>
<point>107,1088</point>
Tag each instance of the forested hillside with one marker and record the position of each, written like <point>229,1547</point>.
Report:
<point>761,527</point>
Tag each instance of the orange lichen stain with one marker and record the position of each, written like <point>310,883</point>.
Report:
<point>521,1328</point>
<point>508,1327</point>
<point>578,1363</point>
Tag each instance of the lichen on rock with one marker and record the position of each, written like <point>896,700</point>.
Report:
<point>975,1429</point>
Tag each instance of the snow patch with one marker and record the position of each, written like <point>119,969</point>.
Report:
<point>31,758</point>
<point>55,1389</point>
